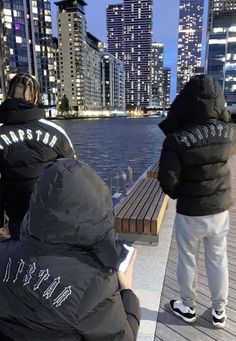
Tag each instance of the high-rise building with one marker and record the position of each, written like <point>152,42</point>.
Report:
<point>221,46</point>
<point>56,59</point>
<point>92,73</point>
<point>26,44</point>
<point>189,40</point>
<point>166,87</point>
<point>115,30</point>
<point>113,83</point>
<point>71,40</point>
<point>157,75</point>
<point>80,58</point>
<point>136,42</point>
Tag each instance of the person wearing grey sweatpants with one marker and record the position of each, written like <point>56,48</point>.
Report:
<point>190,232</point>
<point>194,170</point>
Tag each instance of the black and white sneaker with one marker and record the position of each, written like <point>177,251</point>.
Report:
<point>186,313</point>
<point>218,318</point>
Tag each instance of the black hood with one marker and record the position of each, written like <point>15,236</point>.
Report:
<point>200,100</point>
<point>18,111</point>
<point>71,205</point>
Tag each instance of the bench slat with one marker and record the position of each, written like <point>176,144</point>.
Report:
<point>149,214</point>
<point>126,203</point>
<point>153,171</point>
<point>159,213</point>
<point>141,226</point>
<point>131,211</point>
<point>141,207</point>
<point>142,211</point>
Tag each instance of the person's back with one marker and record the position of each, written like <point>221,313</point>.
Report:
<point>28,143</point>
<point>59,281</point>
<point>194,170</point>
<point>197,149</point>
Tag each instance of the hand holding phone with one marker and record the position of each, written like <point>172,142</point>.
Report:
<point>124,264</point>
<point>126,278</point>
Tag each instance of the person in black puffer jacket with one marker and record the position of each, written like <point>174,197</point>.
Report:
<point>194,170</point>
<point>28,143</point>
<point>59,282</point>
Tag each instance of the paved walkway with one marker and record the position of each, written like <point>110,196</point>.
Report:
<point>156,288</point>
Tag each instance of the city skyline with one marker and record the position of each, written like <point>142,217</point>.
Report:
<point>165,27</point>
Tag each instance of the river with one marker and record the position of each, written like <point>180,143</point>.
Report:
<point>111,145</point>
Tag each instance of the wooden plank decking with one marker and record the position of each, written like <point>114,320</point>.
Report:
<point>172,328</point>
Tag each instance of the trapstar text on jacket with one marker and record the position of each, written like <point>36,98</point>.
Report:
<point>27,134</point>
<point>24,274</point>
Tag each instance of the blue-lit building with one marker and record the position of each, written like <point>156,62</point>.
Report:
<point>115,22</point>
<point>189,40</point>
<point>113,82</point>
<point>26,44</point>
<point>156,99</point>
<point>166,87</point>
<point>129,36</point>
<point>221,46</point>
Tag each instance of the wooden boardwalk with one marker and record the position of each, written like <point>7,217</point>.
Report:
<point>172,328</point>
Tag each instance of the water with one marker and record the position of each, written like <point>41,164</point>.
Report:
<point>111,145</point>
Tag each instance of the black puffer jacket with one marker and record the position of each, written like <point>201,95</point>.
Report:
<point>28,143</point>
<point>194,160</point>
<point>58,282</point>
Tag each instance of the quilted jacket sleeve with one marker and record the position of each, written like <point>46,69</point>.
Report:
<point>169,168</point>
<point>115,318</point>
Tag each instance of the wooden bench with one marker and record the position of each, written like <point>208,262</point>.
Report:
<point>140,214</point>
<point>153,171</point>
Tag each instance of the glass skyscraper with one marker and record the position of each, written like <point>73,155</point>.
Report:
<point>189,40</point>
<point>115,30</point>
<point>166,87</point>
<point>221,47</point>
<point>26,44</point>
<point>129,35</point>
<point>157,75</point>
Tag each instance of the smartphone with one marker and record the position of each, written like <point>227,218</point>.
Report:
<point>124,264</point>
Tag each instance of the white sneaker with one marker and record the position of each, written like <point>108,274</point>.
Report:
<point>218,318</point>
<point>186,313</point>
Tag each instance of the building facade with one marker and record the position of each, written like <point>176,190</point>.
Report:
<point>80,58</point>
<point>114,18</point>
<point>92,75</point>
<point>26,44</point>
<point>113,83</point>
<point>157,76</point>
<point>166,87</point>
<point>189,39</point>
<point>221,46</point>
<point>136,43</point>
<point>71,42</point>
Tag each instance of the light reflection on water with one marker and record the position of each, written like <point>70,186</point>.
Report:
<point>108,145</point>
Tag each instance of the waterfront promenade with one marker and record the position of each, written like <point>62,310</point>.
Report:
<point>155,284</point>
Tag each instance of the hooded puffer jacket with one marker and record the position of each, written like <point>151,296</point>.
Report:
<point>200,139</point>
<point>28,143</point>
<point>58,282</point>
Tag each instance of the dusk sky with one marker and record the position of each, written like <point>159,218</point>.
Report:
<point>165,26</point>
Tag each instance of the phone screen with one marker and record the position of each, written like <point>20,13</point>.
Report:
<point>123,265</point>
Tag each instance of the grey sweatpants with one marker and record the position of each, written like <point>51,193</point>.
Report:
<point>212,230</point>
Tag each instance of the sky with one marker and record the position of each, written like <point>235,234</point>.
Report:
<point>165,27</point>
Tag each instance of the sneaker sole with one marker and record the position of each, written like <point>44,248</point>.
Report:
<point>219,325</point>
<point>192,320</point>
